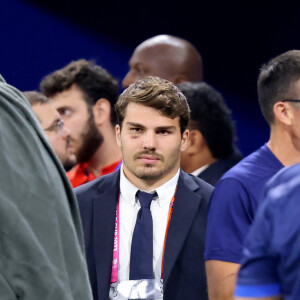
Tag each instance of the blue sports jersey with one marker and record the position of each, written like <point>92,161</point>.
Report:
<point>234,204</point>
<point>271,257</point>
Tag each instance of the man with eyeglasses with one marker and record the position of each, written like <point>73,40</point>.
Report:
<point>237,195</point>
<point>57,134</point>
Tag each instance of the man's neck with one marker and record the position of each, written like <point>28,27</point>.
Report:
<point>284,147</point>
<point>199,160</point>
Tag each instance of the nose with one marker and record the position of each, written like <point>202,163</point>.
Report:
<point>149,140</point>
<point>66,132</point>
<point>128,80</point>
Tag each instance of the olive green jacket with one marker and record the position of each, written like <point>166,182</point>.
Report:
<point>41,243</point>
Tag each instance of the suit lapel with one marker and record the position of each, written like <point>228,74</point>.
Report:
<point>104,214</point>
<point>185,209</point>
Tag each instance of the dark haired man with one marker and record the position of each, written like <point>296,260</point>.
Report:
<point>236,197</point>
<point>84,94</point>
<point>211,150</point>
<point>165,56</point>
<point>57,134</point>
<point>156,248</point>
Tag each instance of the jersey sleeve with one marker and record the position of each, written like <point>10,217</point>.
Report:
<point>229,218</point>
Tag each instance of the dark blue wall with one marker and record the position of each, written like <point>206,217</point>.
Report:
<point>39,37</point>
<point>34,43</point>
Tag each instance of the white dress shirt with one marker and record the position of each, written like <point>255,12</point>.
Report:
<point>129,207</point>
<point>200,170</point>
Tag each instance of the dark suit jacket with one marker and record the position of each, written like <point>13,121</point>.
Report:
<point>184,272</point>
<point>215,171</point>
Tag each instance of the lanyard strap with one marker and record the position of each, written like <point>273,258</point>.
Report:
<point>115,262</point>
<point>116,249</point>
<point>167,230</point>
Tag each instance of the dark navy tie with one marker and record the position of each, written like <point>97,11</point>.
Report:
<point>141,258</point>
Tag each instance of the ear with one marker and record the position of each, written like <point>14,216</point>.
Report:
<point>184,140</point>
<point>101,111</point>
<point>118,135</point>
<point>195,142</point>
<point>283,112</point>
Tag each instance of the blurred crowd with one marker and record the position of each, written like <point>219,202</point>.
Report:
<point>144,194</point>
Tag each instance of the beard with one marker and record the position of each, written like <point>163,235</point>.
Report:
<point>70,158</point>
<point>91,141</point>
<point>148,171</point>
<point>69,164</point>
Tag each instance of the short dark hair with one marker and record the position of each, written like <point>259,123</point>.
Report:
<point>35,97</point>
<point>94,81</point>
<point>159,94</point>
<point>211,116</point>
<point>275,79</point>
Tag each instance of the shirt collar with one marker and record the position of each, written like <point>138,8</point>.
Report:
<point>165,191</point>
<point>200,170</point>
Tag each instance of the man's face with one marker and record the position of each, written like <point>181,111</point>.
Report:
<point>85,137</point>
<point>54,129</point>
<point>293,109</point>
<point>156,60</point>
<point>151,144</point>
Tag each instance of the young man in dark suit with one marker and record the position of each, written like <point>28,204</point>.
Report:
<point>155,249</point>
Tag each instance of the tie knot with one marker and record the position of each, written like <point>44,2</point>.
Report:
<point>145,198</point>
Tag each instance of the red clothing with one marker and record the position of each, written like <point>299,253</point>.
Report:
<point>80,175</point>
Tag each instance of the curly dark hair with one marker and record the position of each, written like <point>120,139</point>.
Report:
<point>211,116</point>
<point>94,81</point>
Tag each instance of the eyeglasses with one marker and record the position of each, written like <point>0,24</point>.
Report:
<point>58,126</point>
<point>290,100</point>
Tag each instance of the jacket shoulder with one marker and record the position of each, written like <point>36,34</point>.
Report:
<point>199,185</point>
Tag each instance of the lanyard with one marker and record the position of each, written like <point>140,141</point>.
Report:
<point>116,249</point>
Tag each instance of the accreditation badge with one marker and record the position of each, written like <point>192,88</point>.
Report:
<point>137,289</point>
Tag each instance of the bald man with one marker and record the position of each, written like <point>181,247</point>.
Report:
<point>165,56</point>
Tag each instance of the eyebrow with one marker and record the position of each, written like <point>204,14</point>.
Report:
<point>157,128</point>
<point>63,107</point>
